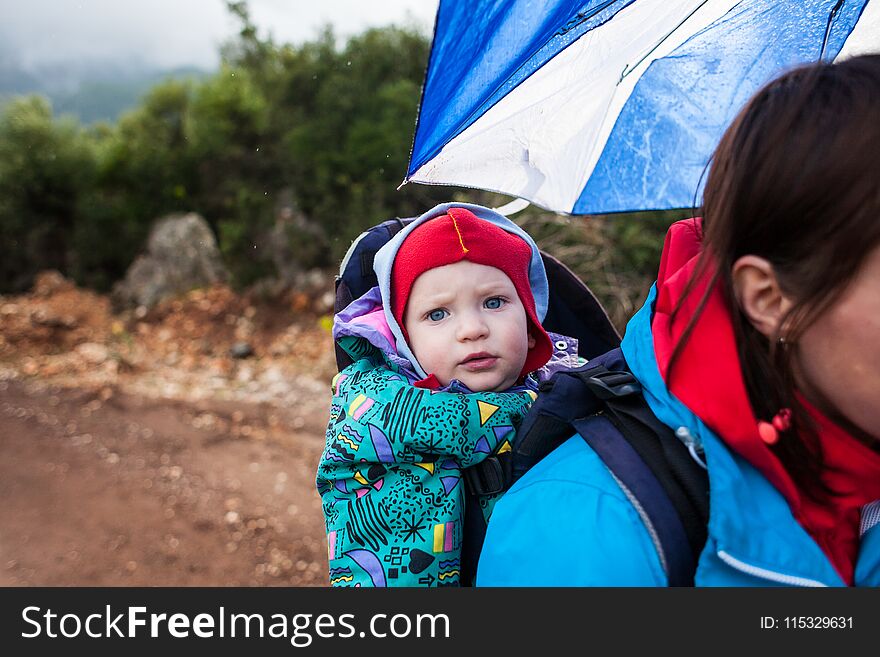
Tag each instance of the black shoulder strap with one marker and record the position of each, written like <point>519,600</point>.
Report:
<point>668,487</point>
<point>684,480</point>
<point>654,468</point>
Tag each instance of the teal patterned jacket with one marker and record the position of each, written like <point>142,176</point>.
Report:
<point>390,477</point>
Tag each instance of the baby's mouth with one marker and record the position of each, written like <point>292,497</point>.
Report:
<point>479,362</point>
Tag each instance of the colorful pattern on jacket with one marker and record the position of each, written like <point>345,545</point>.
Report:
<point>390,477</point>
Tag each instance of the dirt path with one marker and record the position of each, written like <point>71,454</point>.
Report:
<point>105,488</point>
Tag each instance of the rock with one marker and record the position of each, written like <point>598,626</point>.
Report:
<point>49,282</point>
<point>278,389</point>
<point>317,280</point>
<point>295,243</point>
<point>182,254</point>
<point>47,318</point>
<point>325,303</point>
<point>273,374</point>
<point>241,350</point>
<point>93,352</point>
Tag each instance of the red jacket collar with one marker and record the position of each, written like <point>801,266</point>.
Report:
<point>707,378</point>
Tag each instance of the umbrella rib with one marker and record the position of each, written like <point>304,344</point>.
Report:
<point>627,69</point>
<point>831,16</point>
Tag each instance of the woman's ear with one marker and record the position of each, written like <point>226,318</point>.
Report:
<point>532,342</point>
<point>759,294</point>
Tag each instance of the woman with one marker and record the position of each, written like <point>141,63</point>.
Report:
<point>761,341</point>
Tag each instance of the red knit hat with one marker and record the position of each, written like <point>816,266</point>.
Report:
<point>461,235</point>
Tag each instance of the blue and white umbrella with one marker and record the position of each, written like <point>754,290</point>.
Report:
<point>608,106</point>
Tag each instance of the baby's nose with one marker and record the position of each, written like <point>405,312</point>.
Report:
<point>471,327</point>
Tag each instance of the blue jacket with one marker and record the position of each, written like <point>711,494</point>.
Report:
<point>568,523</point>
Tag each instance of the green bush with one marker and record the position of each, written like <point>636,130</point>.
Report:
<point>46,168</point>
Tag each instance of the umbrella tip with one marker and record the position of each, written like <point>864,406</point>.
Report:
<point>405,180</point>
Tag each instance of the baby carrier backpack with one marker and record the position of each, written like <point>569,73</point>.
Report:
<point>600,401</point>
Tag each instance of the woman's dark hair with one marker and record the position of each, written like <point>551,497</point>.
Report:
<point>795,180</point>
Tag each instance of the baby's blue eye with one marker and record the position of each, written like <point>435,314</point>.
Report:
<point>436,315</point>
<point>494,303</point>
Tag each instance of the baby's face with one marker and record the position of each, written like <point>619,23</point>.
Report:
<point>465,321</point>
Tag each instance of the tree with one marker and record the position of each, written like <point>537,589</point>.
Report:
<point>238,173</point>
<point>45,166</point>
<point>144,171</point>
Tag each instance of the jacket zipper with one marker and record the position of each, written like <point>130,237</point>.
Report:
<point>763,573</point>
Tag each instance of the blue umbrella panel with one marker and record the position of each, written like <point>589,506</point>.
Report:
<point>615,106</point>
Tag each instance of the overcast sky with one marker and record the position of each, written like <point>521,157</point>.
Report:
<point>172,33</point>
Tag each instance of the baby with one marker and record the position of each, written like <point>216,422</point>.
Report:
<point>442,349</point>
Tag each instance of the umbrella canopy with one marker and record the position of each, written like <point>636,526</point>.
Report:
<point>608,106</point>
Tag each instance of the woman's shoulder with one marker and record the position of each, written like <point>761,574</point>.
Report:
<point>568,523</point>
